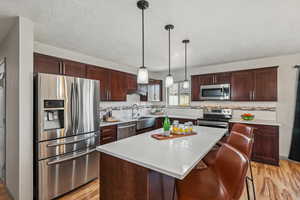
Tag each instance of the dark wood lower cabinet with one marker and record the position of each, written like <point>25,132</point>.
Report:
<point>159,122</point>
<point>266,144</point>
<point>108,134</point>
<point>122,180</point>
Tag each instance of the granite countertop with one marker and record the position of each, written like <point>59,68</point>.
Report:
<point>175,157</point>
<point>256,121</point>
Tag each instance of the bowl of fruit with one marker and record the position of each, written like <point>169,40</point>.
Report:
<point>247,116</point>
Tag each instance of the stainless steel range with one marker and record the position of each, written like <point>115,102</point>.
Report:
<point>67,133</point>
<point>213,117</point>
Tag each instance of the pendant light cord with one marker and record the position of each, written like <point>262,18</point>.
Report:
<point>143,39</point>
<point>185,61</point>
<point>169,52</point>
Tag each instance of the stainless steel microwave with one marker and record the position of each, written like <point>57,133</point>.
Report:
<point>215,92</point>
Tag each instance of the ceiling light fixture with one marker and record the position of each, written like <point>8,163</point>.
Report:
<point>186,83</point>
<point>143,75</point>
<point>169,78</point>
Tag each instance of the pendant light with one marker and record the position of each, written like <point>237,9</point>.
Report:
<point>143,75</point>
<point>186,83</point>
<point>169,78</point>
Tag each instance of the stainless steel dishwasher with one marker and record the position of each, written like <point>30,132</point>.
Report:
<point>126,130</point>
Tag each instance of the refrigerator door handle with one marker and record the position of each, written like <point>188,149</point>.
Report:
<point>70,158</point>
<point>76,107</point>
<point>72,106</point>
<point>71,142</point>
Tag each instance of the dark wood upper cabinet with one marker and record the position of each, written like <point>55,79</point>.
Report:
<point>103,75</point>
<point>242,85</point>
<point>52,65</point>
<point>118,90</point>
<point>254,85</point>
<point>131,80</point>
<point>222,78</point>
<point>76,69</point>
<point>195,88</point>
<point>265,84</point>
<point>206,79</point>
<point>47,64</point>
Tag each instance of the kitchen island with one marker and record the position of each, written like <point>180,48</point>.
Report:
<point>143,168</point>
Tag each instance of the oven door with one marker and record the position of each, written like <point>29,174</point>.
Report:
<point>62,174</point>
<point>215,92</point>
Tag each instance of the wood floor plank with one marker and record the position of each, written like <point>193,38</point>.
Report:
<point>272,183</point>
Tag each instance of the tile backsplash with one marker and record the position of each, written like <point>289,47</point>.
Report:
<point>122,110</point>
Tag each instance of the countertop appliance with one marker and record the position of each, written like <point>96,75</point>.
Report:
<point>126,130</point>
<point>215,92</point>
<point>213,117</point>
<point>66,134</point>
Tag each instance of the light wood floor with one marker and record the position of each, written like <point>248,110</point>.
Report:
<point>272,183</point>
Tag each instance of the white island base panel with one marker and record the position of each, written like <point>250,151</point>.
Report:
<point>174,157</point>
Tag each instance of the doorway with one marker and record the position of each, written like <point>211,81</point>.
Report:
<point>2,119</point>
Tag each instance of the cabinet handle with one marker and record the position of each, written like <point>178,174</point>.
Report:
<point>250,95</point>
<point>107,138</point>
<point>64,68</point>
<point>60,67</point>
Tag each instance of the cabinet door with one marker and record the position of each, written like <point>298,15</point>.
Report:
<point>131,82</point>
<point>265,84</point>
<point>206,79</point>
<point>118,89</point>
<point>47,64</point>
<point>266,144</point>
<point>195,88</point>
<point>242,85</point>
<point>72,68</point>
<point>159,122</point>
<point>222,78</point>
<point>101,74</point>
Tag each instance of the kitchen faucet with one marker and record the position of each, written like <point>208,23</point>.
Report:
<point>135,111</point>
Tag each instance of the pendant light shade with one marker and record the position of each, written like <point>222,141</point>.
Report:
<point>169,81</point>
<point>186,83</point>
<point>143,75</point>
<point>169,77</point>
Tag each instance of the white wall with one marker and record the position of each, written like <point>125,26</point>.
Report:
<point>26,109</point>
<point>17,47</point>
<point>287,84</point>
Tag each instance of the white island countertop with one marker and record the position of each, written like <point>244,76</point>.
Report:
<point>256,121</point>
<point>174,157</point>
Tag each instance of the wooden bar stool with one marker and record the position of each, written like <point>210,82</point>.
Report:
<point>224,180</point>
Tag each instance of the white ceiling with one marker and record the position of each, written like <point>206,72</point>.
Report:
<point>220,31</point>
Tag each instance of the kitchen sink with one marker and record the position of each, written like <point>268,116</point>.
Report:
<point>145,122</point>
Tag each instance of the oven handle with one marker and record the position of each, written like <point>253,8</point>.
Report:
<point>71,142</point>
<point>70,158</point>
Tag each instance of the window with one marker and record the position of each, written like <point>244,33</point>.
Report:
<point>177,95</point>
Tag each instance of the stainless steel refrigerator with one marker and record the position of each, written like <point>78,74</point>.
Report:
<point>66,134</point>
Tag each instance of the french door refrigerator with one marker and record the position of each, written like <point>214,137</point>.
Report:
<point>67,133</point>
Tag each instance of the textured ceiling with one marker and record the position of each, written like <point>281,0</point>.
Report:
<point>220,31</point>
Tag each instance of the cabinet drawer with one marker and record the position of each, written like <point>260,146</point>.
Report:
<point>108,134</point>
